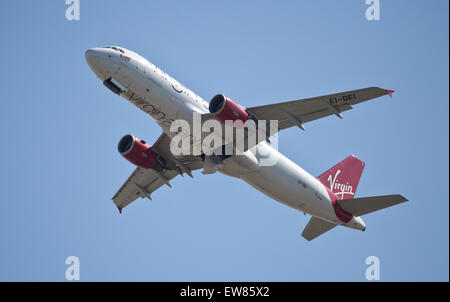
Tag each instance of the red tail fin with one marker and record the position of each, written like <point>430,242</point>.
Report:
<point>344,177</point>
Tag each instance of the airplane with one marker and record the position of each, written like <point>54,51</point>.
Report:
<point>328,198</point>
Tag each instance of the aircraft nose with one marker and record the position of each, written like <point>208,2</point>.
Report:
<point>92,55</point>
<point>96,59</point>
<point>89,54</point>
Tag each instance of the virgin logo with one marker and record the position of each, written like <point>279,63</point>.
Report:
<point>337,188</point>
<point>125,57</point>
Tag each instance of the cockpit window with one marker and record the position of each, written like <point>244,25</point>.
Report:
<point>115,48</point>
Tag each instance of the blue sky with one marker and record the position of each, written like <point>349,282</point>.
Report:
<point>60,127</point>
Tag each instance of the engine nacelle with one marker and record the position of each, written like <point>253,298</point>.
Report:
<point>137,151</point>
<point>226,109</point>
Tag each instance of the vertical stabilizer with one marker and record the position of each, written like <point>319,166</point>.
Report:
<point>344,177</point>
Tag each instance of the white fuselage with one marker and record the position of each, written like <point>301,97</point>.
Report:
<point>166,100</point>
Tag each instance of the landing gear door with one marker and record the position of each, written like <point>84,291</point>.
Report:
<point>114,86</point>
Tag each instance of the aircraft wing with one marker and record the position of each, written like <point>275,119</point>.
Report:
<point>143,182</point>
<point>298,112</point>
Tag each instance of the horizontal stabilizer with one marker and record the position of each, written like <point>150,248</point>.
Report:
<point>365,205</point>
<point>316,227</point>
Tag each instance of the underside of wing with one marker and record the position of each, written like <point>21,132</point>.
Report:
<point>298,112</point>
<point>143,182</point>
<point>182,163</point>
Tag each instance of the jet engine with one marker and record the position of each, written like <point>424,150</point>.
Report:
<point>226,109</point>
<point>137,152</point>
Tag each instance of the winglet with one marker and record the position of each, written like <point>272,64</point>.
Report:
<point>390,92</point>
<point>120,210</point>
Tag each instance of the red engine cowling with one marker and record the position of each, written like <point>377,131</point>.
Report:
<point>137,151</point>
<point>226,109</point>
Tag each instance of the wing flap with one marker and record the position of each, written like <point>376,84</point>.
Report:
<point>365,205</point>
<point>316,227</point>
